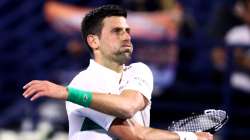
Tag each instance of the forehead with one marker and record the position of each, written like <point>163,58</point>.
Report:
<point>115,21</point>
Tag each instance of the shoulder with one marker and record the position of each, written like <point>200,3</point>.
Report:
<point>81,74</point>
<point>237,30</point>
<point>238,35</point>
<point>139,69</point>
<point>81,77</point>
<point>139,77</point>
<point>139,66</point>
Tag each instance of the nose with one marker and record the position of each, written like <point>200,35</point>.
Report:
<point>127,36</point>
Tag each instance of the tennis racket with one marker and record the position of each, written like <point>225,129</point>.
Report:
<point>210,120</point>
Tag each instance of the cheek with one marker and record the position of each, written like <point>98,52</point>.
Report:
<point>109,43</point>
<point>112,43</point>
<point>107,47</point>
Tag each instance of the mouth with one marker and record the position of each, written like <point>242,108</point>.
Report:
<point>127,46</point>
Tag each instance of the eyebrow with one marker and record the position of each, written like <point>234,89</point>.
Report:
<point>115,29</point>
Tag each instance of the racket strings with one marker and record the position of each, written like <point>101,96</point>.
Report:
<point>200,122</point>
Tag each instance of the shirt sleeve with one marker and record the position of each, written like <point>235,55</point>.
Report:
<point>103,120</point>
<point>138,77</point>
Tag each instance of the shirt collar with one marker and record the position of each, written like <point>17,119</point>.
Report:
<point>102,69</point>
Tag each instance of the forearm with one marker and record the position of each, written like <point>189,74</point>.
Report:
<point>116,105</point>
<point>157,134</point>
<point>123,106</point>
<point>130,130</point>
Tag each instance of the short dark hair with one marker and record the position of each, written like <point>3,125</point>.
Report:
<point>92,23</point>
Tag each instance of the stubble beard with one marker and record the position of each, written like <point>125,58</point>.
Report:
<point>123,57</point>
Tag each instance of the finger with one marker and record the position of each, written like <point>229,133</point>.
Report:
<point>31,91</point>
<point>210,136</point>
<point>31,83</point>
<point>27,85</point>
<point>36,96</point>
<point>28,90</point>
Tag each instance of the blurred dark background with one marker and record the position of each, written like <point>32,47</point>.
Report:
<point>199,52</point>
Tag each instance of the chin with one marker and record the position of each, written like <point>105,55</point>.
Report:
<point>124,59</point>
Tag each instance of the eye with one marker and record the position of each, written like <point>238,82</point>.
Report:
<point>128,30</point>
<point>117,30</point>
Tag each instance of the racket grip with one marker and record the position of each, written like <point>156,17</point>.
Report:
<point>186,135</point>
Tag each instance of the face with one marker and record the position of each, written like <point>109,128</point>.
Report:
<point>115,40</point>
<point>243,10</point>
<point>246,12</point>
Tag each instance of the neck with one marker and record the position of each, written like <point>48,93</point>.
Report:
<point>110,64</point>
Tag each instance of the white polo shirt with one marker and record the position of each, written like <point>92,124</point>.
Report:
<point>84,122</point>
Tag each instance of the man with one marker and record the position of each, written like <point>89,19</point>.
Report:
<point>239,38</point>
<point>121,93</point>
<point>240,34</point>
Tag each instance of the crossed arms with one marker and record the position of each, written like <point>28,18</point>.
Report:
<point>135,93</point>
<point>117,105</point>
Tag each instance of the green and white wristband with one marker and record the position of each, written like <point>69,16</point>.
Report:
<point>80,97</point>
<point>186,135</point>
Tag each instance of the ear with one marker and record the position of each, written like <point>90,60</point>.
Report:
<point>93,41</point>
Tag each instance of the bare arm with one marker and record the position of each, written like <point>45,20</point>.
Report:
<point>129,130</point>
<point>122,128</point>
<point>123,106</point>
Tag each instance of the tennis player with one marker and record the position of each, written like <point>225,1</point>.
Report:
<point>108,100</point>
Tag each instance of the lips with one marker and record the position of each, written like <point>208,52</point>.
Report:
<point>127,45</point>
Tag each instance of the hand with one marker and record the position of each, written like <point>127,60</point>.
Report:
<point>204,136</point>
<point>36,89</point>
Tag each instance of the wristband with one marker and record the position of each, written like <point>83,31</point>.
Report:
<point>79,97</point>
<point>186,135</point>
